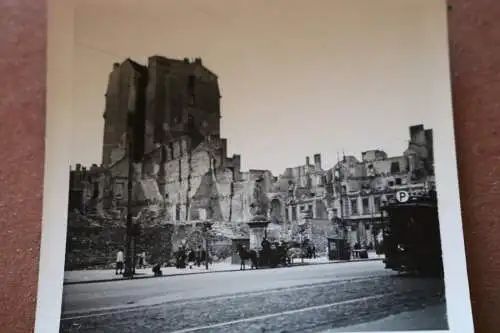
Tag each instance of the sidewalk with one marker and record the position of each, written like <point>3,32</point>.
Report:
<point>95,276</point>
<point>92,276</point>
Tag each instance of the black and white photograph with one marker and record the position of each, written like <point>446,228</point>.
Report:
<point>261,166</point>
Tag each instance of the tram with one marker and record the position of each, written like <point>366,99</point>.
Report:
<point>411,236</point>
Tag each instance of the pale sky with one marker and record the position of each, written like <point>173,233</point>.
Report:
<point>297,77</point>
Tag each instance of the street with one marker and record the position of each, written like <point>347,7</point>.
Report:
<point>313,298</point>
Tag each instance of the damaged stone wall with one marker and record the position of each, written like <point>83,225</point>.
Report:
<point>93,241</point>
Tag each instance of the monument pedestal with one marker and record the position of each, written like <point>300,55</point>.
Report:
<point>258,226</point>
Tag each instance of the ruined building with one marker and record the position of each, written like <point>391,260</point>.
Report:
<point>174,109</point>
<point>165,117</point>
<point>164,101</point>
<point>168,115</point>
<point>361,186</point>
<point>352,189</point>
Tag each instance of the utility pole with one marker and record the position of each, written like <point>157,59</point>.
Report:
<point>206,230</point>
<point>129,255</point>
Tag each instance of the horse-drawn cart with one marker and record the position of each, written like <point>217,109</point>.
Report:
<point>273,254</point>
<point>269,255</point>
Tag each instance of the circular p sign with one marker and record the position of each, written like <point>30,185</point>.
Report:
<point>402,196</point>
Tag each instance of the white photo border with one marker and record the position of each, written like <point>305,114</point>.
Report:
<point>57,152</point>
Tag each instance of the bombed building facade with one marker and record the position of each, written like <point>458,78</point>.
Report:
<point>361,186</point>
<point>167,115</point>
<point>352,190</point>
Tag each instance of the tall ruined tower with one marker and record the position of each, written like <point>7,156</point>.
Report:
<point>125,104</point>
<point>182,96</point>
<point>165,100</point>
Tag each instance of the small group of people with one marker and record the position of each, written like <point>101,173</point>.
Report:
<point>120,261</point>
<point>185,257</point>
<point>310,251</point>
<point>360,251</point>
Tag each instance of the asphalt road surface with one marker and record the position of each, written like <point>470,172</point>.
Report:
<point>299,299</point>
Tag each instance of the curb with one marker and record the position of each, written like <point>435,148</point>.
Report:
<point>141,277</point>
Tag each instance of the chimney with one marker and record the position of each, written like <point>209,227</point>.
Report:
<point>116,65</point>
<point>198,61</point>
<point>317,161</point>
<point>307,161</point>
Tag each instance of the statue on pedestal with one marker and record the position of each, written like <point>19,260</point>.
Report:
<point>292,189</point>
<point>259,221</point>
<point>259,205</point>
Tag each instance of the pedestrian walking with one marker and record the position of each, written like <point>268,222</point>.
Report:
<point>198,256</point>
<point>119,262</point>
<point>142,259</point>
<point>191,258</point>
<point>181,257</point>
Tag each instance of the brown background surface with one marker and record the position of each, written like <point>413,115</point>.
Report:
<point>475,58</point>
